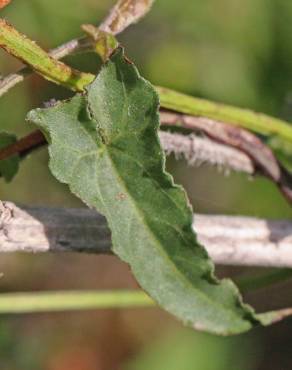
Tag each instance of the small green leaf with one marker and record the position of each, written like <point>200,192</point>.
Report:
<point>103,43</point>
<point>9,166</point>
<point>104,144</point>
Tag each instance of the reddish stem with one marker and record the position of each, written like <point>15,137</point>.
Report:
<point>24,146</point>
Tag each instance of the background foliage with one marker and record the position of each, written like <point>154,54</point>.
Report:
<point>231,51</point>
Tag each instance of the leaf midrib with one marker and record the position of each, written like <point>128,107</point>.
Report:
<point>162,251</point>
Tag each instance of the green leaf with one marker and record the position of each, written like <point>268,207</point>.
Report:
<point>103,43</point>
<point>9,166</point>
<point>104,144</point>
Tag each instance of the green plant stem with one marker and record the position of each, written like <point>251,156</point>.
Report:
<point>39,60</point>
<point>263,280</point>
<point>30,53</point>
<point>15,303</point>
<point>19,303</point>
<point>257,122</point>
<point>74,46</point>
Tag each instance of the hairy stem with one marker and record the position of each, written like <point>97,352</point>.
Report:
<point>261,155</point>
<point>195,150</point>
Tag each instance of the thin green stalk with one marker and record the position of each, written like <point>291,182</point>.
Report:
<point>263,280</point>
<point>257,122</point>
<point>15,303</point>
<point>21,303</point>
<point>30,53</point>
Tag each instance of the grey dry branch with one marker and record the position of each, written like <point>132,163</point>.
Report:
<point>229,240</point>
<point>125,13</point>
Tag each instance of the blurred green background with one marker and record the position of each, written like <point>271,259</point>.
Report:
<point>230,51</point>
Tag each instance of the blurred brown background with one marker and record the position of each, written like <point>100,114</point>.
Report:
<point>231,51</point>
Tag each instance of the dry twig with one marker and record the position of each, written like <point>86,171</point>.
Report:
<point>229,240</point>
